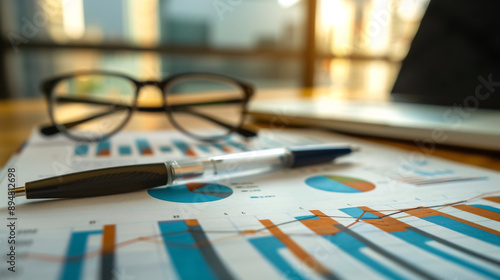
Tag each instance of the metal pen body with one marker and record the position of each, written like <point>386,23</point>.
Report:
<point>240,164</point>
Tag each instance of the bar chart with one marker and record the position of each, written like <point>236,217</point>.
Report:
<point>151,145</point>
<point>143,147</point>
<point>419,247</point>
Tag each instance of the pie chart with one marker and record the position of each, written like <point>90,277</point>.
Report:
<point>340,184</point>
<point>191,193</point>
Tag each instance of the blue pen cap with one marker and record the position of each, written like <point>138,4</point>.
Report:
<point>310,155</point>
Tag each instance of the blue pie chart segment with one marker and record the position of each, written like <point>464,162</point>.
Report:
<point>340,184</point>
<point>191,193</point>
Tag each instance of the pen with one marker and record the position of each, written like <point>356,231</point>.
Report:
<point>137,177</point>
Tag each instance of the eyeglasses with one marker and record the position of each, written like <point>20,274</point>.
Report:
<point>91,106</point>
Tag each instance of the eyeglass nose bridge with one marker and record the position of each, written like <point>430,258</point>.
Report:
<point>140,86</point>
<point>150,83</point>
<point>153,83</point>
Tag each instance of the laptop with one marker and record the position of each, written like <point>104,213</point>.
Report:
<point>447,90</point>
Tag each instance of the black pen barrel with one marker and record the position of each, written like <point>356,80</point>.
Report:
<point>99,182</point>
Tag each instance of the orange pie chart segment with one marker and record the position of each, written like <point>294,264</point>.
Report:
<point>341,184</point>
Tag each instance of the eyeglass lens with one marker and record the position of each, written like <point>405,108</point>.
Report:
<point>205,106</point>
<point>92,106</point>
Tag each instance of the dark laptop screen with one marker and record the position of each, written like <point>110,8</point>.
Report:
<point>454,57</point>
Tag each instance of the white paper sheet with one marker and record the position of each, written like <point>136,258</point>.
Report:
<point>296,223</point>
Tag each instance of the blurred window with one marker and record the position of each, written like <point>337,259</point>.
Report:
<point>260,41</point>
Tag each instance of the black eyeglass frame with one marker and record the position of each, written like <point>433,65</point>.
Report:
<point>48,87</point>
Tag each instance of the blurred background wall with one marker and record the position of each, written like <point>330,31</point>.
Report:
<point>353,44</point>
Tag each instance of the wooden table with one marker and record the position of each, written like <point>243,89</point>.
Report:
<point>18,117</point>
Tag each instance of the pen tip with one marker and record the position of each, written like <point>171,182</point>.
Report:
<point>355,148</point>
<point>21,191</point>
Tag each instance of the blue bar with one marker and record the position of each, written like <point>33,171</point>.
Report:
<point>81,150</point>
<point>218,147</point>
<point>103,148</point>
<point>124,150</point>
<point>269,246</point>
<point>166,149</point>
<point>75,255</point>
<point>183,147</point>
<point>353,247</point>
<point>419,241</point>
<point>143,146</point>
<point>237,145</point>
<point>486,207</point>
<point>204,148</point>
<point>356,212</point>
<point>464,229</point>
<point>308,217</point>
<point>188,260</point>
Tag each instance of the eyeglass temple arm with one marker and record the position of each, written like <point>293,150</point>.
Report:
<point>240,130</point>
<point>52,129</point>
<point>143,109</point>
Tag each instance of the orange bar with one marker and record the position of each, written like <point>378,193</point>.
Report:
<point>480,212</point>
<point>190,153</point>
<point>321,226</point>
<point>426,212</point>
<point>495,199</point>
<point>104,153</point>
<point>300,253</point>
<point>192,222</point>
<point>108,239</point>
<point>147,152</point>
<point>387,223</point>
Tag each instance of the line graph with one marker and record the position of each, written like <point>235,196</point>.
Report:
<point>201,241</point>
